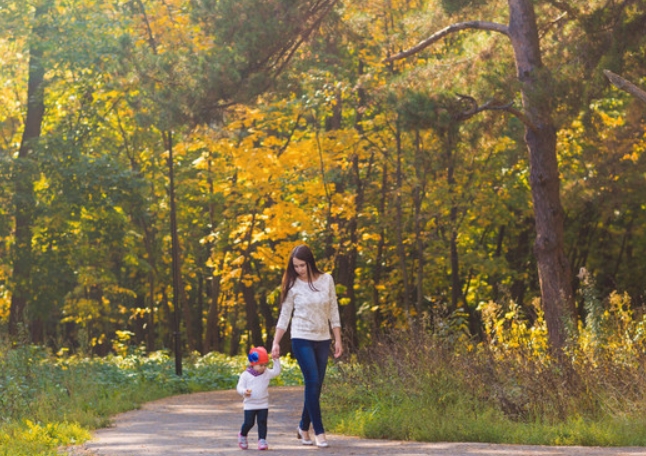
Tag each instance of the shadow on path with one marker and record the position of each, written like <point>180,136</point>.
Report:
<point>208,424</point>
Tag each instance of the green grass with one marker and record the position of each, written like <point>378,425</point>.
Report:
<point>421,418</point>
<point>48,402</point>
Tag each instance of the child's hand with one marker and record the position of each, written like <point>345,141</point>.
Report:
<point>247,393</point>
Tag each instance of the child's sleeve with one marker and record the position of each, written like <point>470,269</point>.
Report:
<point>275,370</point>
<point>242,384</point>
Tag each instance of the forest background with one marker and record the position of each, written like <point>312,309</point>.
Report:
<point>215,135</point>
<point>463,168</point>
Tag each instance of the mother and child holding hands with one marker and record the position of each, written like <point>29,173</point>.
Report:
<point>308,298</point>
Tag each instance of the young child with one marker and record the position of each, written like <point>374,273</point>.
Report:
<point>253,386</point>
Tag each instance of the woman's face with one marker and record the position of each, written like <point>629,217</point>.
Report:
<point>300,267</point>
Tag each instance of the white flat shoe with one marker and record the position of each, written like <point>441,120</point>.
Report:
<point>299,435</point>
<point>321,442</point>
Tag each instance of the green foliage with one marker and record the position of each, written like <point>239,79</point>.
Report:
<point>419,110</point>
<point>455,6</point>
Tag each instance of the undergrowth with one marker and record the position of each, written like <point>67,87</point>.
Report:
<point>507,389</point>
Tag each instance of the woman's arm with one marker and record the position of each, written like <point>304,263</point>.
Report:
<point>335,319</point>
<point>286,309</point>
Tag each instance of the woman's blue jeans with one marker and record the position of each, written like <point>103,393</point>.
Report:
<point>312,358</point>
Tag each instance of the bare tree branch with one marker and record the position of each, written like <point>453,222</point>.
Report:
<point>492,105</point>
<point>625,85</point>
<point>478,25</point>
<point>522,117</point>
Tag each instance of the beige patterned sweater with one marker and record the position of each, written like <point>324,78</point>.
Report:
<point>313,312</point>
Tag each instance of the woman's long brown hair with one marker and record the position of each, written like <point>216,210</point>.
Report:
<point>303,253</point>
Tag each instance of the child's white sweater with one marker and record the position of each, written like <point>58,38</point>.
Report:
<point>259,386</point>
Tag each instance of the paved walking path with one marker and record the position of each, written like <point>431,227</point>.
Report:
<point>208,424</point>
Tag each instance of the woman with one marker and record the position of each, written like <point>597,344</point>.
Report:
<point>310,296</point>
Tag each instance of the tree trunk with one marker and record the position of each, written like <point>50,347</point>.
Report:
<point>419,193</point>
<point>175,255</point>
<point>150,325</point>
<point>553,269</point>
<point>199,312</point>
<point>518,258</point>
<point>248,294</point>
<point>24,174</point>
<point>251,308</point>
<point>377,271</point>
<point>456,284</point>
<point>234,345</point>
<point>401,249</point>
<point>212,336</point>
<point>268,317</point>
<point>346,264</point>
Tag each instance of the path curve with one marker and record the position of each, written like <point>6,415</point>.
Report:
<point>208,423</point>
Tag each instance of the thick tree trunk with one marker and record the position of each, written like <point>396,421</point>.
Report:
<point>540,135</point>
<point>24,174</point>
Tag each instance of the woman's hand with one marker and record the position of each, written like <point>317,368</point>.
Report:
<point>338,345</point>
<point>275,347</point>
<point>275,351</point>
<point>338,348</point>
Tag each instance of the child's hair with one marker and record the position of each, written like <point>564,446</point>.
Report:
<point>303,253</point>
<point>258,355</point>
